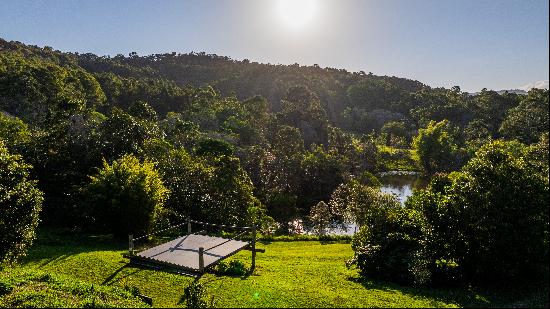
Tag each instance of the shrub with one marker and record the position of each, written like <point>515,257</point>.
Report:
<point>491,219</point>
<point>233,268</point>
<point>391,247</point>
<point>194,295</point>
<point>20,205</point>
<point>126,196</point>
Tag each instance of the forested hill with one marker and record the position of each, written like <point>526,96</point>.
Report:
<point>337,89</point>
<point>271,139</point>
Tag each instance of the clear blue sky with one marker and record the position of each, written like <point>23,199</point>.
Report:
<point>496,44</point>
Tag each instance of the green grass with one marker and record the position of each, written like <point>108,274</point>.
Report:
<point>37,289</point>
<point>288,274</point>
<point>394,159</point>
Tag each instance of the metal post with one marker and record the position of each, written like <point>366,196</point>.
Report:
<point>131,244</point>
<point>253,249</point>
<point>201,259</point>
<point>188,226</point>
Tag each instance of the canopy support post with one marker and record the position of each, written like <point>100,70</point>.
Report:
<point>253,249</point>
<point>201,259</point>
<point>131,244</point>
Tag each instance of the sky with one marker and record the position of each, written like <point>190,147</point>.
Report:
<point>494,44</point>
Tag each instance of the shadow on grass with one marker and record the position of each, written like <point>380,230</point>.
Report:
<point>535,295</point>
<point>111,278</point>
<point>55,245</point>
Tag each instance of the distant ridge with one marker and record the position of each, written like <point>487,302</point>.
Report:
<point>516,91</point>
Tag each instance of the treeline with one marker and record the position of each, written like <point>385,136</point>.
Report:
<point>121,144</point>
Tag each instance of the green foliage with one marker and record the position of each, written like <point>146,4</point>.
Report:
<point>393,159</point>
<point>435,148</point>
<point>233,268</point>
<point>392,246</point>
<point>529,119</point>
<point>322,173</point>
<point>194,295</point>
<point>14,132</point>
<point>32,88</point>
<point>320,217</point>
<point>357,203</point>
<point>301,109</point>
<point>126,196</point>
<point>20,205</point>
<point>121,133</point>
<point>215,189</point>
<point>142,110</point>
<point>62,158</point>
<point>212,147</point>
<point>491,218</point>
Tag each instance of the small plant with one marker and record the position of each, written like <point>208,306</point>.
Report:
<point>233,268</point>
<point>195,296</point>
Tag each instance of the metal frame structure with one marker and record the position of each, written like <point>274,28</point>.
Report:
<point>224,248</point>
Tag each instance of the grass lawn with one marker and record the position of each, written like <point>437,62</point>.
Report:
<point>288,274</point>
<point>395,159</point>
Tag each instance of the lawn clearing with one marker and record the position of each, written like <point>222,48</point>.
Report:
<point>288,274</point>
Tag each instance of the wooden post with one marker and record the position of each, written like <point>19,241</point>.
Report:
<point>131,244</point>
<point>253,249</point>
<point>188,226</point>
<point>201,259</point>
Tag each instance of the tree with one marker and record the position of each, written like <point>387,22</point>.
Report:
<point>354,202</point>
<point>529,119</point>
<point>395,131</point>
<point>14,132</point>
<point>491,218</point>
<point>213,187</point>
<point>320,217</point>
<point>302,109</point>
<point>140,109</point>
<point>322,173</point>
<point>435,148</point>
<point>20,205</point>
<point>126,197</point>
<point>123,134</point>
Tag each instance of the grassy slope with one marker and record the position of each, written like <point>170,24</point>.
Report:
<point>289,274</point>
<point>32,289</point>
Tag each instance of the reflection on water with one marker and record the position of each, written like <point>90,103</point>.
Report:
<point>402,184</point>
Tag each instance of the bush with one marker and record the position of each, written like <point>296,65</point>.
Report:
<point>392,246</point>
<point>491,219</point>
<point>195,295</point>
<point>20,205</point>
<point>233,268</point>
<point>126,197</point>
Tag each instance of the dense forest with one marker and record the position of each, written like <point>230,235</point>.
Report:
<point>126,144</point>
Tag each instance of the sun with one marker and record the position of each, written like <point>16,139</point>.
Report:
<point>296,14</point>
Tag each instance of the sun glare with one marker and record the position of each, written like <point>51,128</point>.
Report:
<point>296,14</point>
